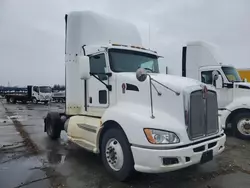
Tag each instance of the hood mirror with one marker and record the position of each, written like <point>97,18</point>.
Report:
<point>141,74</point>
<point>215,75</point>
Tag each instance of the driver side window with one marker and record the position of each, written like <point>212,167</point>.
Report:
<point>98,65</point>
<point>206,77</point>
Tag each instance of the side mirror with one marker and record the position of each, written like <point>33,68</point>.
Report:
<point>245,80</point>
<point>219,82</point>
<point>84,67</point>
<point>215,75</point>
<point>141,74</point>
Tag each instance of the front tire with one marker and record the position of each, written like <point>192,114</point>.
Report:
<point>53,125</point>
<point>34,101</point>
<point>241,125</point>
<point>116,154</point>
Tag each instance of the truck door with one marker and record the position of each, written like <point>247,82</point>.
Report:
<point>35,92</point>
<point>225,95</point>
<point>98,94</point>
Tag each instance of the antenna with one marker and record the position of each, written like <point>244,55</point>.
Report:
<point>149,35</point>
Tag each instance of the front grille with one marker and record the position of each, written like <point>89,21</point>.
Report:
<point>203,114</point>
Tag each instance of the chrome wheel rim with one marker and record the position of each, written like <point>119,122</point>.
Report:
<point>244,126</point>
<point>114,154</point>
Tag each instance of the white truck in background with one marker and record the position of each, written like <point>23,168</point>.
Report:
<point>34,94</point>
<point>200,61</point>
<point>58,96</point>
<point>118,105</point>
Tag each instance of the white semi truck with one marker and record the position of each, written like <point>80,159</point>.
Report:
<point>201,61</point>
<point>118,105</point>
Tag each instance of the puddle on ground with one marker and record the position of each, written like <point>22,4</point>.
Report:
<point>18,117</point>
<point>55,158</point>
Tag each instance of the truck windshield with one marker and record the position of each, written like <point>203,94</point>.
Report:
<point>130,61</point>
<point>45,89</point>
<point>231,74</point>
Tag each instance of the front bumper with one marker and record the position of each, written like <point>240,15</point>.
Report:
<point>45,100</point>
<point>151,160</point>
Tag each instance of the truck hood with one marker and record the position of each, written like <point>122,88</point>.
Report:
<point>242,85</point>
<point>241,90</point>
<point>174,82</point>
<point>137,94</point>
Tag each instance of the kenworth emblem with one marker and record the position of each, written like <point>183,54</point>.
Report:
<point>204,91</point>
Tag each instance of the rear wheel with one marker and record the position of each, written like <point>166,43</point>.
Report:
<point>12,100</point>
<point>53,125</point>
<point>241,124</point>
<point>116,154</point>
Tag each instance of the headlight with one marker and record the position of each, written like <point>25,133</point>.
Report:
<point>161,137</point>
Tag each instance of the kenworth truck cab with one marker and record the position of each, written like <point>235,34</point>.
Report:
<point>118,105</point>
<point>200,61</point>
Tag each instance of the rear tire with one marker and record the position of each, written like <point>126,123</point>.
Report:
<point>116,154</point>
<point>241,125</point>
<point>12,100</point>
<point>53,125</point>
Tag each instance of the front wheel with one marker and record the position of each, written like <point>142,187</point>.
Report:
<point>34,101</point>
<point>241,125</point>
<point>116,154</point>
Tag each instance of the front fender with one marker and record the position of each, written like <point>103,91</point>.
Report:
<point>239,103</point>
<point>134,118</point>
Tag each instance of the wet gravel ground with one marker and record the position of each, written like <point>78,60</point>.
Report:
<point>28,158</point>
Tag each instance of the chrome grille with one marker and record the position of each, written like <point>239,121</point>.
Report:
<point>203,114</point>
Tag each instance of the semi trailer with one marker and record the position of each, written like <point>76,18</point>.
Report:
<point>119,106</point>
<point>32,94</point>
<point>201,61</point>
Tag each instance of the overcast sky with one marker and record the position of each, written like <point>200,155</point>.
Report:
<point>32,32</point>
